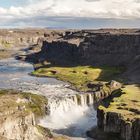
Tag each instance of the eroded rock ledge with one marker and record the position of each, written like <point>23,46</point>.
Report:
<point>115,123</point>
<point>122,116</point>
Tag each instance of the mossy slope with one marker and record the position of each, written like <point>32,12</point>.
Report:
<point>80,76</point>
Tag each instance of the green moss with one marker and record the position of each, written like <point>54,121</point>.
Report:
<point>6,92</point>
<point>44,131</point>
<point>80,76</point>
<point>127,105</point>
<point>101,108</point>
<point>36,103</point>
<point>47,134</point>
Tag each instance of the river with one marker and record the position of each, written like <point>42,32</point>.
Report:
<point>66,116</point>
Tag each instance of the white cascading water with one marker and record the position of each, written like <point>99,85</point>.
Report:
<point>71,116</point>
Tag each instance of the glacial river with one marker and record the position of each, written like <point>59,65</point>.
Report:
<point>66,117</point>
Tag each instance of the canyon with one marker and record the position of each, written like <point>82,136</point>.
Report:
<point>85,60</point>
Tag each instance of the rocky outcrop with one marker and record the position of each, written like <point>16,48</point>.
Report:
<point>59,52</point>
<point>19,114</point>
<point>109,49</point>
<point>115,123</point>
<point>94,48</point>
<point>20,37</point>
<point>20,128</point>
<point>106,90</point>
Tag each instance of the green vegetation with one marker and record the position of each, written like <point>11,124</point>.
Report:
<point>44,131</point>
<point>6,44</point>
<point>47,134</point>
<point>80,76</point>
<point>29,102</point>
<point>36,103</point>
<point>128,104</point>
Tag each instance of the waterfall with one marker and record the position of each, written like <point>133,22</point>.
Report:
<point>71,116</point>
<point>91,99</point>
<point>75,100</point>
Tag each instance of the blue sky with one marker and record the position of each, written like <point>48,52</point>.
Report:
<point>9,3</point>
<point>70,13</point>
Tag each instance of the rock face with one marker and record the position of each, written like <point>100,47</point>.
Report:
<point>109,49</point>
<point>19,37</point>
<point>94,48</point>
<point>18,121</point>
<point>115,123</point>
<point>20,128</point>
<point>118,48</point>
<point>59,52</point>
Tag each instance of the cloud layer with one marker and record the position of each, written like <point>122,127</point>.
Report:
<point>50,12</point>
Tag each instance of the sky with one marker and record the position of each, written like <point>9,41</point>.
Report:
<point>70,13</point>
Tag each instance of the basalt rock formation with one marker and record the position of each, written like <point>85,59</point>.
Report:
<point>115,123</point>
<point>93,48</point>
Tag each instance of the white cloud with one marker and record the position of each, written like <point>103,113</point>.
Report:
<point>86,8</point>
<point>119,9</point>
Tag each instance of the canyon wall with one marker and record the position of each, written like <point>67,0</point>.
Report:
<point>107,49</point>
<point>116,123</point>
<point>91,48</point>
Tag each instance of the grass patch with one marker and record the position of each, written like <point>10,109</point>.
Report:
<point>36,103</point>
<point>33,103</point>
<point>128,104</point>
<point>80,76</point>
<point>6,92</point>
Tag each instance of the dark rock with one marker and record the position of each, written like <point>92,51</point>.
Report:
<point>114,122</point>
<point>85,72</point>
<point>53,72</point>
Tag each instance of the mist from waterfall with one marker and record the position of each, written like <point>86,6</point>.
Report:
<point>71,116</point>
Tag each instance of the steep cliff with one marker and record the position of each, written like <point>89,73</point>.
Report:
<point>109,49</point>
<point>122,116</point>
<point>19,115</point>
<point>93,48</point>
